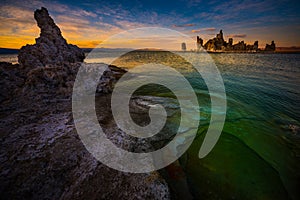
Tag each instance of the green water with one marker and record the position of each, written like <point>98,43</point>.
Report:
<point>258,153</point>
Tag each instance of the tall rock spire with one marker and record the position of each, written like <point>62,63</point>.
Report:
<point>51,47</point>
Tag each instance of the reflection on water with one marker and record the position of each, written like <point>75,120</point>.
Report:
<point>258,154</point>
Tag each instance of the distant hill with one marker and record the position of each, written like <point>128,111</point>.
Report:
<point>288,49</point>
<point>8,51</point>
<point>88,50</point>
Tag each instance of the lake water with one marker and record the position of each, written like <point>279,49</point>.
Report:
<point>258,153</point>
<point>12,58</point>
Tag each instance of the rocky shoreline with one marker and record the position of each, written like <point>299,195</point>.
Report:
<point>41,154</point>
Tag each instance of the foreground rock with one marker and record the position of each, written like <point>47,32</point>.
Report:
<point>11,81</point>
<point>41,155</point>
<point>50,47</point>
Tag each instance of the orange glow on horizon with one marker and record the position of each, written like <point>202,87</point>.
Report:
<point>89,38</point>
<point>87,29</point>
<point>16,42</point>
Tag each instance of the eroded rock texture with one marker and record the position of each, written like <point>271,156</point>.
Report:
<point>50,47</point>
<point>41,155</point>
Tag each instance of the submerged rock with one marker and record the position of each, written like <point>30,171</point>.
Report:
<point>50,48</point>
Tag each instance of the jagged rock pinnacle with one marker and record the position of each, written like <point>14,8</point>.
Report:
<point>46,23</point>
<point>51,47</point>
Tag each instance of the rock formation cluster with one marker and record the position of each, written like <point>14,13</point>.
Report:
<point>219,44</point>
<point>41,155</point>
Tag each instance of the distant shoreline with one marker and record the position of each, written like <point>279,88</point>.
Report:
<point>8,51</point>
<point>258,52</point>
<point>279,50</point>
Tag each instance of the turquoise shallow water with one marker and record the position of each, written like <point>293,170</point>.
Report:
<point>258,153</point>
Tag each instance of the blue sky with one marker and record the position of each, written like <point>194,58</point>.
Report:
<point>90,22</point>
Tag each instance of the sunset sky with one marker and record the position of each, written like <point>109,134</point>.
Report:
<point>88,23</point>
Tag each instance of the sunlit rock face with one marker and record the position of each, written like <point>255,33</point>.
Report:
<point>216,43</point>
<point>51,47</point>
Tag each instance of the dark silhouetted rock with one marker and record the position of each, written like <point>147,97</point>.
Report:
<point>252,48</point>
<point>50,48</point>
<point>220,35</point>
<point>255,46</point>
<point>230,41</point>
<point>183,46</point>
<point>240,46</point>
<point>199,43</point>
<point>219,41</point>
<point>270,47</point>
